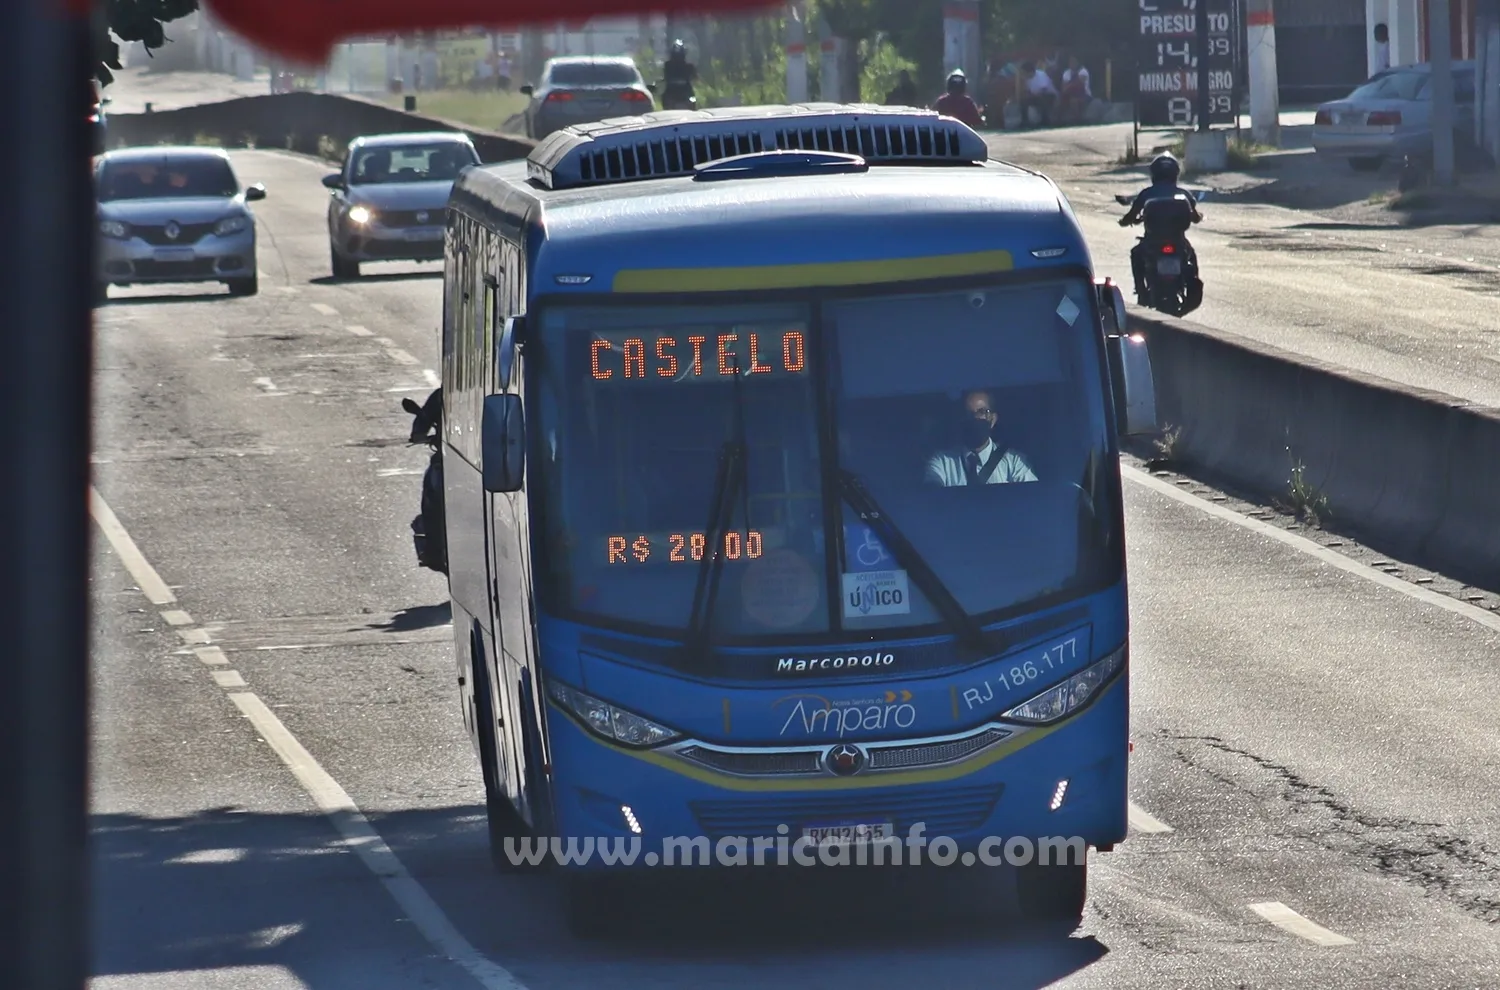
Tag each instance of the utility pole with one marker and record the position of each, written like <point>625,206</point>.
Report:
<point>1265,99</point>
<point>1440,47</point>
<point>46,205</point>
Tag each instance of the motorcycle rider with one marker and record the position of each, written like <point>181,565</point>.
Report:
<point>957,103</point>
<point>429,528</point>
<point>1164,174</point>
<point>677,75</point>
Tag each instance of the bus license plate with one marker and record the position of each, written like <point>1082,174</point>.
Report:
<point>1169,266</point>
<point>850,834</point>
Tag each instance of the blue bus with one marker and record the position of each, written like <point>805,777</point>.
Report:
<point>715,387</point>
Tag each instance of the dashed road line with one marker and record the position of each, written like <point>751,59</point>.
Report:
<point>359,331</point>
<point>1482,616</point>
<point>431,377</point>
<point>146,578</point>
<point>400,356</point>
<point>325,309</point>
<point>360,837</point>
<point>1142,821</point>
<point>1286,919</point>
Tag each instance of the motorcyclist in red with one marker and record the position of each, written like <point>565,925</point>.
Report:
<point>956,103</point>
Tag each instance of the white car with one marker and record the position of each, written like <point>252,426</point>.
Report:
<point>173,215</point>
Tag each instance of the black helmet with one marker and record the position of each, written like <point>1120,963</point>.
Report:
<point>957,81</point>
<point>1164,168</point>
<point>678,47</point>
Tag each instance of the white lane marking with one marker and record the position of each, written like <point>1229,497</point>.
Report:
<point>193,635</point>
<point>359,331</point>
<point>398,472</point>
<point>361,837</point>
<point>1285,918</point>
<point>208,856</point>
<point>431,377</point>
<point>385,342</point>
<point>325,309</point>
<point>1141,821</point>
<point>400,356</point>
<point>177,617</point>
<point>1484,617</point>
<point>341,810</point>
<point>146,578</point>
<point>266,384</point>
<point>228,678</point>
<point>213,656</point>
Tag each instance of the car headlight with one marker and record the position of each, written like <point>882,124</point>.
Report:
<point>611,721</point>
<point>231,225</point>
<point>1069,696</point>
<point>113,228</point>
<point>360,215</point>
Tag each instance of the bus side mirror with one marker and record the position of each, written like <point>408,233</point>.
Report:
<point>1135,388</point>
<point>503,443</point>
<point>1112,306</point>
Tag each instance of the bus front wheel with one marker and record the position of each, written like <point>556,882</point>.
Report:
<point>1052,894</point>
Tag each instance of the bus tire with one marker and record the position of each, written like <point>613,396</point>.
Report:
<point>1053,894</point>
<point>502,820</point>
<point>588,906</point>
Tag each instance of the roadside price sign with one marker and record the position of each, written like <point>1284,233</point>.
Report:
<point>1168,58</point>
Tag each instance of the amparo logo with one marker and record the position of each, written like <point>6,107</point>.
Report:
<point>815,716</point>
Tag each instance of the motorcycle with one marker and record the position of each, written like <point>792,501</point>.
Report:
<point>1169,264</point>
<point>429,528</point>
<point>679,96</point>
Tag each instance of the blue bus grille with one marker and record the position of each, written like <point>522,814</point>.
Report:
<point>947,811</point>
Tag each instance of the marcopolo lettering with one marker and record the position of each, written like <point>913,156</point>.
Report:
<point>818,665</point>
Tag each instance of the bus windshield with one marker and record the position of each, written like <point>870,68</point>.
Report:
<point>877,464</point>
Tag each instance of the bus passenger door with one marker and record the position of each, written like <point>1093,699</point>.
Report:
<point>502,545</point>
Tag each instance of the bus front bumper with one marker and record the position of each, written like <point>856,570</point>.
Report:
<point>1061,785</point>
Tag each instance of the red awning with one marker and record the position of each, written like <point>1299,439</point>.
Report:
<point>306,30</point>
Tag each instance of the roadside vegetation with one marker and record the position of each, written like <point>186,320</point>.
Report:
<point>489,110</point>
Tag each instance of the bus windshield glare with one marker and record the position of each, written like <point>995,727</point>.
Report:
<point>972,422</point>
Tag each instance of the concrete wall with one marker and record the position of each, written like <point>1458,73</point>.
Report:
<point>1411,472</point>
<point>298,122</point>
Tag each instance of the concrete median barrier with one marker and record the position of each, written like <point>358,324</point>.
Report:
<point>312,123</point>
<point>1412,472</point>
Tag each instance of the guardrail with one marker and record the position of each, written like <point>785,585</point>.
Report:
<point>1412,472</point>
<point>307,122</point>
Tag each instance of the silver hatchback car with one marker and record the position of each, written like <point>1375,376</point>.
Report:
<point>173,215</point>
<point>390,199</point>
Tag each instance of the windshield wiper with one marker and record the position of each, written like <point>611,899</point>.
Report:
<point>729,481</point>
<point>864,505</point>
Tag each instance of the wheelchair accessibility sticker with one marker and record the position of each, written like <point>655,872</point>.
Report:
<point>864,550</point>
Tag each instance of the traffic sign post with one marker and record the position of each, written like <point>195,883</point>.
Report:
<point>1187,72</point>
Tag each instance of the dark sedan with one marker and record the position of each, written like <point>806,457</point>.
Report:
<point>583,90</point>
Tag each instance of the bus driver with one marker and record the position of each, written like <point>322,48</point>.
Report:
<point>977,461</point>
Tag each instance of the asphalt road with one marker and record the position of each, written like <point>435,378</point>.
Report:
<point>1313,738</point>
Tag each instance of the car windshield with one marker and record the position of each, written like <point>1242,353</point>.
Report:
<point>410,163</point>
<point>167,178</point>
<point>593,74</point>
<point>639,406</point>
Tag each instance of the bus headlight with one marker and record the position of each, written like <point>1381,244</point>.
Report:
<point>611,721</point>
<point>1069,696</point>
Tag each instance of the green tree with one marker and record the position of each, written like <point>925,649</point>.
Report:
<point>132,20</point>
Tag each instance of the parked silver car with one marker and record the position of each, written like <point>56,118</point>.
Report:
<point>173,215</point>
<point>1391,116</point>
<point>390,199</point>
<point>580,90</point>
